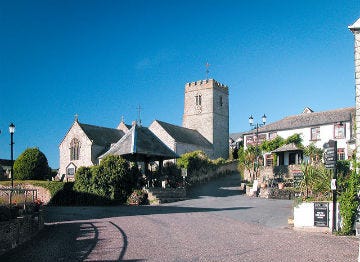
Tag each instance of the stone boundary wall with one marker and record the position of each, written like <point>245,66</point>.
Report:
<point>203,175</point>
<point>272,193</point>
<point>19,230</point>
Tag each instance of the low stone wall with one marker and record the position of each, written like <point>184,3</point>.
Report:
<point>203,176</point>
<point>19,230</point>
<point>275,193</point>
<point>165,195</point>
<point>272,193</point>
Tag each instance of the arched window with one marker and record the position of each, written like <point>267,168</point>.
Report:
<point>74,149</point>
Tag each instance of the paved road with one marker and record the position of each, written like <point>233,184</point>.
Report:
<point>217,224</point>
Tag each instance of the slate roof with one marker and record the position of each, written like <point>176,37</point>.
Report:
<point>185,135</point>
<point>102,136</point>
<point>287,148</point>
<point>141,144</point>
<point>5,162</point>
<point>308,120</point>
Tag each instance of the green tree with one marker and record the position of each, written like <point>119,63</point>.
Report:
<point>83,179</point>
<point>314,153</point>
<point>32,164</point>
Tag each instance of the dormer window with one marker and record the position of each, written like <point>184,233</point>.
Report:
<point>74,149</point>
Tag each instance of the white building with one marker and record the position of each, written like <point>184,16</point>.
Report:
<point>314,127</point>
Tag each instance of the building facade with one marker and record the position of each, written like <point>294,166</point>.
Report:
<point>355,29</point>
<point>205,127</point>
<point>314,128</point>
<point>206,109</point>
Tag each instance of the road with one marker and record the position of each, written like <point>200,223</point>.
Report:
<point>216,224</point>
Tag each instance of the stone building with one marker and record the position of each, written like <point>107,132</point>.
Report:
<point>83,144</point>
<point>205,127</point>
<point>355,29</point>
<point>206,109</point>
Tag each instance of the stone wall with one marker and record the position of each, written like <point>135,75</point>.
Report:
<point>201,176</point>
<point>270,172</point>
<point>19,230</point>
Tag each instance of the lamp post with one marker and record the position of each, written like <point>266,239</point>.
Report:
<point>256,126</point>
<point>12,131</point>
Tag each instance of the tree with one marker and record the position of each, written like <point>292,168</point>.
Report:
<point>314,153</point>
<point>32,164</point>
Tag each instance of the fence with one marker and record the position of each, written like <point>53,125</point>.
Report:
<point>17,195</point>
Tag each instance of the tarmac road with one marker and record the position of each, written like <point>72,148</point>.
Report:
<point>217,224</point>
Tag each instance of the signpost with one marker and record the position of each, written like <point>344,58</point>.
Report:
<point>330,157</point>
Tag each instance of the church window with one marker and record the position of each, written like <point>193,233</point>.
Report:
<point>74,149</point>
<point>198,100</point>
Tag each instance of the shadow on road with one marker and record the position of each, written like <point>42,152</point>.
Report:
<point>61,214</point>
<point>220,187</point>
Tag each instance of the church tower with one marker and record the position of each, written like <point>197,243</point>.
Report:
<point>206,109</point>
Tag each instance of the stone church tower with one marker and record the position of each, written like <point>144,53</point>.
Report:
<point>206,109</point>
<point>355,28</point>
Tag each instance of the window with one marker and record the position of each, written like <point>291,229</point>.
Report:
<point>272,135</point>
<point>341,153</point>
<point>74,149</point>
<point>70,171</point>
<point>269,160</point>
<point>198,100</point>
<point>315,133</point>
<point>339,130</point>
<point>221,101</point>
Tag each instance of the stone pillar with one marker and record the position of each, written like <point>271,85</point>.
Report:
<point>355,29</point>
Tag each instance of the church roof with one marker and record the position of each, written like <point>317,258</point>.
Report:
<point>141,144</point>
<point>184,135</point>
<point>102,136</point>
<point>309,119</point>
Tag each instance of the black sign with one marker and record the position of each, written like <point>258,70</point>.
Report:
<point>321,214</point>
<point>298,177</point>
<point>330,154</point>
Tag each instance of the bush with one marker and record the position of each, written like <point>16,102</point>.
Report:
<point>32,165</point>
<point>349,202</point>
<point>138,197</point>
<point>113,179</point>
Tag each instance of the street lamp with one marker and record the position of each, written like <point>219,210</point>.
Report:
<point>256,126</point>
<point>12,131</point>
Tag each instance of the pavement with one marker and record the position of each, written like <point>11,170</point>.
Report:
<point>215,224</point>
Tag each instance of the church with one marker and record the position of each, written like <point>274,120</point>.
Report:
<point>205,127</point>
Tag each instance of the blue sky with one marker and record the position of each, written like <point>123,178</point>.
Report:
<point>101,59</point>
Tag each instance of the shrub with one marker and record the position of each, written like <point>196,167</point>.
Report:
<point>349,202</point>
<point>31,165</point>
<point>113,179</point>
